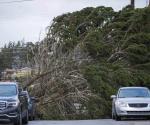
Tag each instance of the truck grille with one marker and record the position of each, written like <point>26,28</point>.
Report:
<point>138,105</point>
<point>2,105</point>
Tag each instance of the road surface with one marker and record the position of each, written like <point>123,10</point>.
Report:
<point>90,122</point>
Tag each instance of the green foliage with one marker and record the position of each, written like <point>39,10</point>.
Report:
<point>72,28</point>
<point>118,44</point>
<point>127,54</point>
<point>95,45</point>
<point>14,55</point>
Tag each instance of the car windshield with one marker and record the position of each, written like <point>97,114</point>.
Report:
<point>7,90</point>
<point>135,92</point>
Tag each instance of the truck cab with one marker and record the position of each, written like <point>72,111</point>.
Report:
<point>13,103</point>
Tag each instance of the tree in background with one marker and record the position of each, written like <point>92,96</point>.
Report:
<point>14,55</point>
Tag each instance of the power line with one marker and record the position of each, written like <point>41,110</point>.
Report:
<point>15,1</point>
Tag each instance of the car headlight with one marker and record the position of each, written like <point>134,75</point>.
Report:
<point>121,104</point>
<point>13,103</point>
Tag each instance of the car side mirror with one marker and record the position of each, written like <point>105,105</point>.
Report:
<point>113,97</point>
<point>22,94</point>
<point>34,99</point>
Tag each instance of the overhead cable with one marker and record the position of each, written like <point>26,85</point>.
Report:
<point>15,1</point>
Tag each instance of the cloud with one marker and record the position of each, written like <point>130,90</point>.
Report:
<point>26,20</point>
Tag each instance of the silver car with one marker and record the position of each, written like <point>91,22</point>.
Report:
<point>131,101</point>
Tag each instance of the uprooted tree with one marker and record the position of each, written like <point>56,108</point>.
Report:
<point>58,83</point>
<point>86,56</point>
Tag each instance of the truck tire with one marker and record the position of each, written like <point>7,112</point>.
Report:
<point>26,118</point>
<point>18,121</point>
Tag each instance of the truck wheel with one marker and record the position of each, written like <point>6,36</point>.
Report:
<point>18,121</point>
<point>26,118</point>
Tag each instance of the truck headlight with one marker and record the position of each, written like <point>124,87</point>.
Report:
<point>121,104</point>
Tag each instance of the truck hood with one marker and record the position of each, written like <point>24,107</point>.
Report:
<point>134,100</point>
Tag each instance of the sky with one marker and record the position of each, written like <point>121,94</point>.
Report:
<point>28,20</point>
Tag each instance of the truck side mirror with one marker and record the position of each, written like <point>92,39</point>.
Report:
<point>113,97</point>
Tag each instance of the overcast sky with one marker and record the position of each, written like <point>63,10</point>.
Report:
<point>25,20</point>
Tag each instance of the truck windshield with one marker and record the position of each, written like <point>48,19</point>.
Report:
<point>132,93</point>
<point>8,90</point>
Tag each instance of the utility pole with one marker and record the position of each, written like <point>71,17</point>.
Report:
<point>149,3</point>
<point>133,3</point>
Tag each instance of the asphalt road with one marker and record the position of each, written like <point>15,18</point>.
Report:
<point>90,122</point>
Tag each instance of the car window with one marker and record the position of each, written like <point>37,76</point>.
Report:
<point>8,90</point>
<point>127,93</point>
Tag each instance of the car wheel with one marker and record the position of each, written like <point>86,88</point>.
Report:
<point>118,118</point>
<point>26,118</point>
<point>32,116</point>
<point>113,115</point>
<point>18,121</point>
<point>148,118</point>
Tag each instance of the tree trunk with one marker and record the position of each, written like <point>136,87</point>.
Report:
<point>149,3</point>
<point>133,3</point>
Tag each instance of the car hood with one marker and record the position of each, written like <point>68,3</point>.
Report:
<point>134,100</point>
<point>8,98</point>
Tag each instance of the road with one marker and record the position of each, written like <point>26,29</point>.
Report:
<point>90,122</point>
